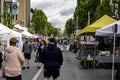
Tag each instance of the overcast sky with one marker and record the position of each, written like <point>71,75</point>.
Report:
<point>57,11</point>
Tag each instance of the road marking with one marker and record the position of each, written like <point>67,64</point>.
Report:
<point>38,73</point>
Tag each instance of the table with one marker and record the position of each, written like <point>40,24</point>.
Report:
<point>107,59</point>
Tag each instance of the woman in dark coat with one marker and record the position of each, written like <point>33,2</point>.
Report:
<point>40,50</point>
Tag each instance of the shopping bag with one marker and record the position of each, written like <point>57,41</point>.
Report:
<point>68,46</point>
<point>2,73</point>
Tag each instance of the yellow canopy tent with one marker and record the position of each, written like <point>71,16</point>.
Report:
<point>103,21</point>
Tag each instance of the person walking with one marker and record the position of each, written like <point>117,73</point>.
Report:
<point>27,50</point>
<point>39,52</point>
<point>1,57</point>
<point>13,59</point>
<point>52,59</point>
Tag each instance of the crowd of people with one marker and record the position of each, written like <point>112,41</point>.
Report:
<point>15,60</point>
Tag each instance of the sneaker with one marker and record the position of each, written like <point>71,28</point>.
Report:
<point>28,67</point>
<point>23,67</point>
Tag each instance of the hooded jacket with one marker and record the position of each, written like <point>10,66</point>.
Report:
<point>51,57</point>
<point>13,60</point>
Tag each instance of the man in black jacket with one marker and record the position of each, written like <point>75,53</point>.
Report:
<point>52,59</point>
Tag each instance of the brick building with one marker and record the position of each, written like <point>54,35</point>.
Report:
<point>21,11</point>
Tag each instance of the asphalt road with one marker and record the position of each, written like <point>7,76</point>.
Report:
<point>69,70</point>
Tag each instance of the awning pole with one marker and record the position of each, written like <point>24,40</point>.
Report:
<point>113,57</point>
<point>114,33</point>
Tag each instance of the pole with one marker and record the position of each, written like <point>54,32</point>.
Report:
<point>88,18</point>
<point>113,57</point>
<point>114,33</point>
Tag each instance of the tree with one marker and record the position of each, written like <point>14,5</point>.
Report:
<point>52,30</point>
<point>39,21</point>
<point>40,24</point>
<point>69,26</point>
<point>104,8</point>
<point>31,30</point>
<point>82,9</point>
<point>7,18</point>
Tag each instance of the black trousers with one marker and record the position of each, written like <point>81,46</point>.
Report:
<point>117,76</point>
<point>14,78</point>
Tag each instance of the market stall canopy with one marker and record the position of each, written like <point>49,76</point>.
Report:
<point>26,34</point>
<point>36,36</point>
<point>108,30</point>
<point>18,26</point>
<point>3,30</point>
<point>7,33</point>
<point>103,21</point>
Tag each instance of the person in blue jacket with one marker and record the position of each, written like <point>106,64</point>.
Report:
<point>52,59</point>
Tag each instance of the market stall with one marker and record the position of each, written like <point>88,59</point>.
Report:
<point>7,33</point>
<point>26,34</point>
<point>114,31</point>
<point>103,21</point>
<point>109,32</point>
<point>87,53</point>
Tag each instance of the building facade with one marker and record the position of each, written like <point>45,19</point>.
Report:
<point>20,9</point>
<point>24,12</point>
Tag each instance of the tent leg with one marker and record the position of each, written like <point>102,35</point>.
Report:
<point>113,57</point>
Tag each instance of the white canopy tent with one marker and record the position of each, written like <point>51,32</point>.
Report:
<point>108,30</point>
<point>3,30</point>
<point>7,33</point>
<point>26,34</point>
<point>20,27</point>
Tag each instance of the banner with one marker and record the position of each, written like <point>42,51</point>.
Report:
<point>14,8</point>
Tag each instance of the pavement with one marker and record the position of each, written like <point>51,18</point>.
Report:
<point>69,70</point>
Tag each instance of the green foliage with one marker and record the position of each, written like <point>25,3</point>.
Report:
<point>40,24</point>
<point>31,30</point>
<point>39,21</point>
<point>70,26</point>
<point>82,11</point>
<point>52,30</point>
<point>104,8</point>
<point>96,8</point>
<point>7,18</point>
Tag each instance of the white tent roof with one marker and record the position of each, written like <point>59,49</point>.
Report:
<point>7,33</point>
<point>108,30</point>
<point>20,27</point>
<point>3,30</point>
<point>27,34</point>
